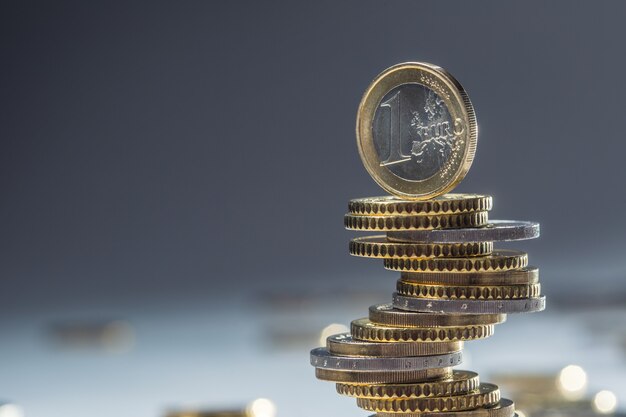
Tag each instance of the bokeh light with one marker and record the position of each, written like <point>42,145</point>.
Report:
<point>261,407</point>
<point>572,382</point>
<point>605,402</point>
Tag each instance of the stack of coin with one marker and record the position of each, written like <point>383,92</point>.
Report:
<point>416,132</point>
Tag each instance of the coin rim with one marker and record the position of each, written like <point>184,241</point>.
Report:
<point>459,106</point>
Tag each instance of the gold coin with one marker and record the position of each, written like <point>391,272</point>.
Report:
<point>499,260</point>
<point>364,329</point>
<point>462,382</point>
<point>486,395</point>
<point>430,222</point>
<point>382,377</point>
<point>482,292</point>
<point>380,247</point>
<point>416,131</point>
<point>344,344</point>
<point>443,204</point>
<point>525,276</point>
<point>504,408</point>
<point>387,315</point>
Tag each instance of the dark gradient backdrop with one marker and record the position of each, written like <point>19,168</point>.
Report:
<point>161,152</point>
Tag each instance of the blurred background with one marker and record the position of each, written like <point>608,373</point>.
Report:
<point>174,175</point>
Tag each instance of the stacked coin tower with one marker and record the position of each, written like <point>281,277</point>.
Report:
<point>416,133</point>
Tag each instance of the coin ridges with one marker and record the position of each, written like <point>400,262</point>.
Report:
<point>387,315</point>
<point>445,306</point>
<point>388,377</point>
<point>343,344</point>
<point>486,395</point>
<point>321,358</point>
<point>501,260</point>
<point>462,382</point>
<point>504,408</point>
<point>483,292</point>
<point>391,223</point>
<point>364,329</point>
<point>379,247</point>
<point>444,204</point>
<point>525,276</point>
<point>493,231</point>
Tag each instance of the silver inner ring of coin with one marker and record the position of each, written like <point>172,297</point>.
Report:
<point>414,134</point>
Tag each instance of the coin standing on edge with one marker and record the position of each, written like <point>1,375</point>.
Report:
<point>416,131</point>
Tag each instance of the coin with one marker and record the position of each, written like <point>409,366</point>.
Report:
<point>494,231</point>
<point>380,247</point>
<point>387,315</point>
<point>382,377</point>
<point>443,204</point>
<point>462,382</point>
<point>504,408</point>
<point>527,275</point>
<point>321,358</point>
<point>473,292</point>
<point>486,395</point>
<point>430,305</point>
<point>500,260</point>
<point>426,222</point>
<point>364,329</point>
<point>344,344</point>
<point>416,131</point>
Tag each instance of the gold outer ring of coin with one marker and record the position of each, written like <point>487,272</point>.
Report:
<point>486,395</point>
<point>444,204</point>
<point>525,276</point>
<point>364,329</point>
<point>482,292</point>
<point>499,260</point>
<point>382,377</point>
<point>460,110</point>
<point>343,344</point>
<point>399,223</point>
<point>387,315</point>
<point>380,247</point>
<point>462,382</point>
<point>504,408</point>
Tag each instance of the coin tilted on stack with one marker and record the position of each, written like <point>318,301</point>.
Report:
<point>416,134</point>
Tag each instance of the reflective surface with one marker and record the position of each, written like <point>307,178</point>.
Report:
<point>413,132</point>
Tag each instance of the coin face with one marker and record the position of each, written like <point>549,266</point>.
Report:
<point>416,131</point>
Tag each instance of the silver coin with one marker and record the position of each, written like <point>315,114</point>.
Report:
<point>321,358</point>
<point>495,230</point>
<point>431,305</point>
<point>414,134</point>
<point>505,408</point>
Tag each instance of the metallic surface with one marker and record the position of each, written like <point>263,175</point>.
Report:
<point>486,395</point>
<point>425,222</point>
<point>420,147</point>
<point>499,260</point>
<point>473,292</point>
<point>494,231</point>
<point>364,329</point>
<point>527,275</point>
<point>382,377</point>
<point>429,305</point>
<point>504,408</point>
<point>321,358</point>
<point>461,382</point>
<point>344,344</point>
<point>387,315</point>
<point>380,247</point>
<point>450,203</point>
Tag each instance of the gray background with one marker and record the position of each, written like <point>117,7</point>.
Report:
<point>163,155</point>
<point>167,148</point>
